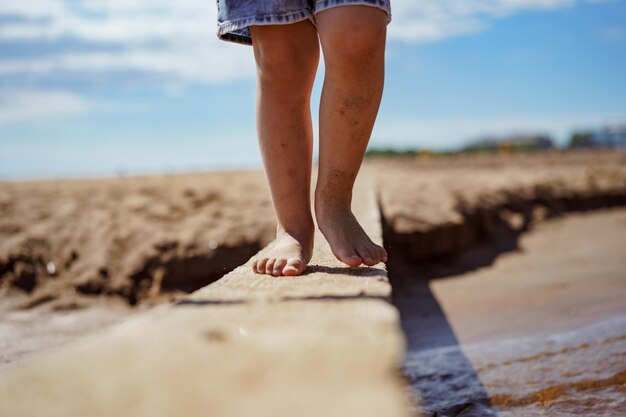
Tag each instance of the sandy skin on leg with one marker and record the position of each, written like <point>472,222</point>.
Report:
<point>353,43</point>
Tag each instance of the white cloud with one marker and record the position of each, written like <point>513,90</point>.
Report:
<point>172,44</point>
<point>33,105</point>
<point>32,9</point>
<point>427,20</point>
<point>173,41</point>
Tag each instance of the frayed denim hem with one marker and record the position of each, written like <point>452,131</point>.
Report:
<point>238,31</point>
<point>329,4</point>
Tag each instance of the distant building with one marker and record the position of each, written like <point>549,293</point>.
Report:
<point>609,137</point>
<point>512,143</point>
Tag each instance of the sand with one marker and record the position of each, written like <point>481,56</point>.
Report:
<point>151,239</point>
<point>76,254</point>
<point>570,270</point>
<point>327,343</point>
<point>438,206</point>
<point>136,238</point>
<point>492,249</point>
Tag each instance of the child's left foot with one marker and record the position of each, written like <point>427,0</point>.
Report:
<point>288,255</point>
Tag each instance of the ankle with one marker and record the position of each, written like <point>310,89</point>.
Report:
<point>325,207</point>
<point>332,198</point>
<point>302,232</point>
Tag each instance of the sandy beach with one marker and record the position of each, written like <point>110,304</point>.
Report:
<point>507,270</point>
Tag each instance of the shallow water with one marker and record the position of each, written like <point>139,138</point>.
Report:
<point>580,372</point>
<point>539,331</point>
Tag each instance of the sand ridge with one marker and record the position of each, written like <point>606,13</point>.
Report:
<point>139,238</point>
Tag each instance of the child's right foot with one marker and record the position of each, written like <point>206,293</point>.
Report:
<point>289,255</point>
<point>347,239</point>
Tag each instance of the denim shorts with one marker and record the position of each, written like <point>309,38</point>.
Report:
<point>234,17</point>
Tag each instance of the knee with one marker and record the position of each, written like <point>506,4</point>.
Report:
<point>354,44</point>
<point>286,64</point>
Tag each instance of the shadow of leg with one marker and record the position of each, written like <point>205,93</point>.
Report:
<point>442,378</point>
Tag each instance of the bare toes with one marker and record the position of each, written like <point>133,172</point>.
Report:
<point>269,266</point>
<point>294,266</point>
<point>367,255</point>
<point>351,259</point>
<point>278,267</point>
<point>379,253</point>
<point>260,265</point>
<point>383,254</point>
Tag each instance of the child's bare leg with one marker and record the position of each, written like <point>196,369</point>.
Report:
<point>287,58</point>
<point>353,42</point>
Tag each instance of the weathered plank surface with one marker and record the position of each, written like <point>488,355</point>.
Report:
<point>324,344</point>
<point>325,277</point>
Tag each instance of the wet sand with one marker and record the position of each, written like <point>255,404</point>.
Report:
<point>25,333</point>
<point>541,330</point>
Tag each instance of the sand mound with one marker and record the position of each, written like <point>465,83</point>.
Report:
<point>141,238</point>
<point>439,206</point>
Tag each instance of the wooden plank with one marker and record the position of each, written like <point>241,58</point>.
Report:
<point>325,276</point>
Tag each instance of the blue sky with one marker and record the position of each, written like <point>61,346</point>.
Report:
<point>108,87</point>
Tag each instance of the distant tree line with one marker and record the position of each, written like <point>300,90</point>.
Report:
<point>519,143</point>
<point>608,137</point>
<point>391,152</point>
